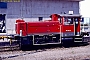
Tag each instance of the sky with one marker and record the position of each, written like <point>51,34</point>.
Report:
<point>85,9</point>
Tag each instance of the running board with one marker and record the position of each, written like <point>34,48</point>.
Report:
<point>47,43</point>
<point>78,38</point>
<point>78,41</point>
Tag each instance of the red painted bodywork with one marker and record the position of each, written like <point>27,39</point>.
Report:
<point>21,26</point>
<point>41,27</point>
<point>17,21</point>
<point>68,28</point>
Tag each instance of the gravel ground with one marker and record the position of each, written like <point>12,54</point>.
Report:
<point>72,53</point>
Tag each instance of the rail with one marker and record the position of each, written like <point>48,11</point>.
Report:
<point>9,48</point>
<point>7,43</point>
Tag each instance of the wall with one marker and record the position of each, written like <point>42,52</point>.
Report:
<point>44,8</point>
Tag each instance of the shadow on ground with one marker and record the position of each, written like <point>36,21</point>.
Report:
<point>43,47</point>
<point>86,59</point>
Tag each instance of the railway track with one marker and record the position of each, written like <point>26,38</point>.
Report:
<point>8,44</point>
<point>17,54</point>
<point>9,48</point>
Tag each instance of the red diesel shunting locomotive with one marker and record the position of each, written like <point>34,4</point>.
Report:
<point>61,28</point>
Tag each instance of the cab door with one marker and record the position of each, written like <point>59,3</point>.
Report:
<point>68,27</point>
<point>77,25</point>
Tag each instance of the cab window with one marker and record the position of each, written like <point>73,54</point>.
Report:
<point>68,20</point>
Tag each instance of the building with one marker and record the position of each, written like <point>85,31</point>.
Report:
<point>86,25</point>
<point>30,10</point>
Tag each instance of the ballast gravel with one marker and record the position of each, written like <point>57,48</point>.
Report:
<point>72,53</point>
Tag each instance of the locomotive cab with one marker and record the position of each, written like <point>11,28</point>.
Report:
<point>71,27</point>
<point>74,21</point>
